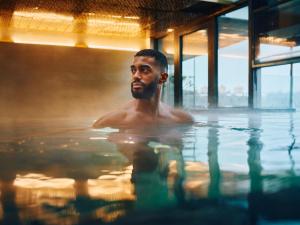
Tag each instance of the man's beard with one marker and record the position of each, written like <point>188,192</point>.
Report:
<point>146,92</point>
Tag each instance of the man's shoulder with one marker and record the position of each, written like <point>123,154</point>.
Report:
<point>110,119</point>
<point>181,115</point>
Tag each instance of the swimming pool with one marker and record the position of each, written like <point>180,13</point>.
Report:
<point>228,168</point>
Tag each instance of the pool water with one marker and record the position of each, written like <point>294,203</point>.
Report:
<point>228,168</point>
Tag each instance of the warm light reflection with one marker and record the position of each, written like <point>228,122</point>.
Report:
<point>97,138</point>
<point>99,31</point>
<point>43,16</point>
<point>226,40</point>
<point>40,189</point>
<point>195,44</point>
<point>132,17</point>
<point>27,40</point>
<point>197,179</point>
<point>233,36</point>
<point>42,28</point>
<point>277,41</point>
<point>170,51</point>
<point>114,186</point>
<point>100,22</point>
<point>108,215</point>
<point>37,193</point>
<point>113,27</point>
<point>33,180</point>
<point>168,44</point>
<point>112,48</point>
<point>42,21</point>
<point>196,167</point>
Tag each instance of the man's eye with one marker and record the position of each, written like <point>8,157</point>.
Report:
<point>144,69</point>
<point>133,70</point>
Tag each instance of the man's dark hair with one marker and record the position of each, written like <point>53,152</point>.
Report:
<point>157,55</point>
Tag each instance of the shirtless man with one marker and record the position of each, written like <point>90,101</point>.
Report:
<point>148,72</point>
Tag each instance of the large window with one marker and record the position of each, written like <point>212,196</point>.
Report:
<point>275,87</point>
<point>195,69</point>
<point>233,59</point>
<point>296,85</point>
<point>276,30</point>
<point>166,46</point>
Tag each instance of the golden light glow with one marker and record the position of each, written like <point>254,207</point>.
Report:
<point>112,48</point>
<point>203,32</point>
<point>32,180</point>
<point>98,138</point>
<point>196,167</point>
<point>132,17</point>
<point>116,16</point>
<point>100,22</point>
<point>230,39</point>
<point>234,36</point>
<point>170,51</point>
<point>277,41</point>
<point>48,28</point>
<point>113,186</point>
<point>53,17</point>
<point>197,179</point>
<point>168,44</point>
<point>108,215</point>
<point>42,21</point>
<point>40,189</point>
<point>170,30</point>
<point>113,26</point>
<point>42,28</point>
<point>17,39</point>
<point>195,43</point>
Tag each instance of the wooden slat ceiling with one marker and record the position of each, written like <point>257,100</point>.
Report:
<point>128,16</point>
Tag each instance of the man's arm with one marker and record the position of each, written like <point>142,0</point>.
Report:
<point>112,119</point>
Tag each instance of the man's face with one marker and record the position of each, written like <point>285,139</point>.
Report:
<point>145,72</point>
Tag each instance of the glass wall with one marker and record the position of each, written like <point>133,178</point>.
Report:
<point>166,46</point>
<point>296,85</point>
<point>275,86</point>
<point>233,59</point>
<point>276,38</point>
<point>195,69</point>
<point>276,30</point>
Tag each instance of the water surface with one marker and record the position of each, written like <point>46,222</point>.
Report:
<point>239,168</point>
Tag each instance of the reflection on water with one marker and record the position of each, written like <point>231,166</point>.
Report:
<point>228,169</point>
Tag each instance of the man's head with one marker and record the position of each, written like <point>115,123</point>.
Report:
<point>149,69</point>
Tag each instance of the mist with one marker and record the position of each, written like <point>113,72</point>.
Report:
<point>55,82</point>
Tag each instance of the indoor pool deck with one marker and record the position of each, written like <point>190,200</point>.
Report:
<point>228,168</point>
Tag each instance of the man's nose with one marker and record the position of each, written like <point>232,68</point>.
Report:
<point>136,75</point>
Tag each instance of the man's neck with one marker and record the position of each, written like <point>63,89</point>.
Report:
<point>149,106</point>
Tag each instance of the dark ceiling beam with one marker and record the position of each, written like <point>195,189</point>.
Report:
<point>80,25</point>
<point>7,8</point>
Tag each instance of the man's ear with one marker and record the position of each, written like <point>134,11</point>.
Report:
<point>163,77</point>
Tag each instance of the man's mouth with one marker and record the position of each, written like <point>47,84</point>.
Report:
<point>137,85</point>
